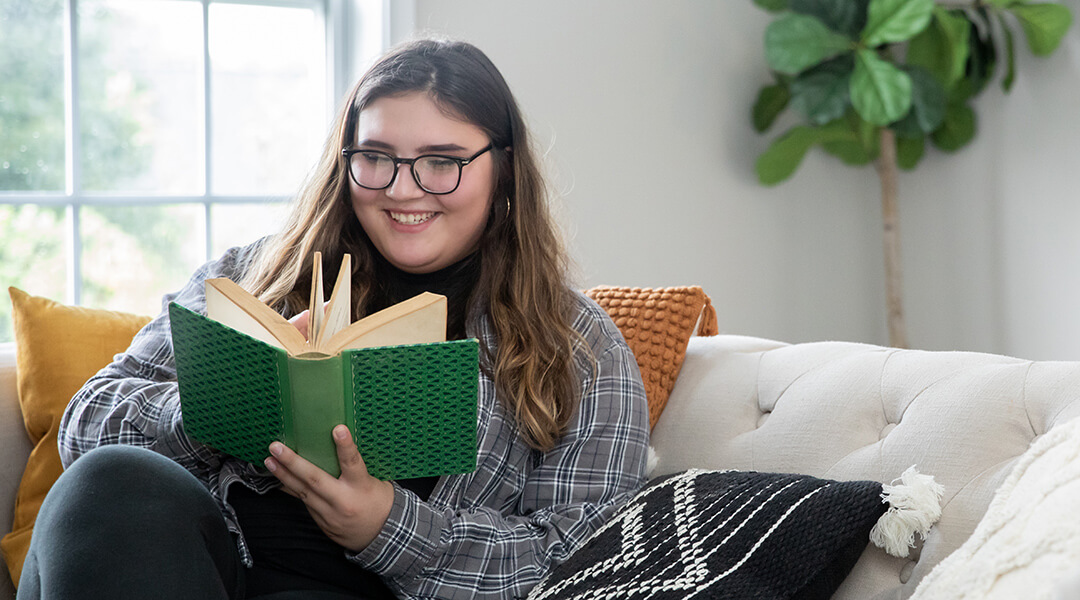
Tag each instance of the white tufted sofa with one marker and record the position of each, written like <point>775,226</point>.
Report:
<point>830,409</point>
<point>853,411</point>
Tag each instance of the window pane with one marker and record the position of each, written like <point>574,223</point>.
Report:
<point>242,224</point>
<point>33,255</point>
<point>32,95</point>
<point>141,96</point>
<point>132,255</point>
<point>268,91</point>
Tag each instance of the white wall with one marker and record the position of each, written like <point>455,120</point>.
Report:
<point>644,108</point>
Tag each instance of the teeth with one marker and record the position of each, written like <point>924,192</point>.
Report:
<point>411,218</point>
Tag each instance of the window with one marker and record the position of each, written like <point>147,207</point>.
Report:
<point>140,138</point>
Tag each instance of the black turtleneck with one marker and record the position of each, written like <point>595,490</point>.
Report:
<point>456,282</point>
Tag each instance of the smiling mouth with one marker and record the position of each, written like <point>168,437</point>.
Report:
<point>411,218</point>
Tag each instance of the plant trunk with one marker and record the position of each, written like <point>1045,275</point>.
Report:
<point>894,280</point>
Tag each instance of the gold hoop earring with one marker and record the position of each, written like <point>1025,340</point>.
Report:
<point>507,205</point>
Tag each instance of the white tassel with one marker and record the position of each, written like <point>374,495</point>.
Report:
<point>651,461</point>
<point>914,506</point>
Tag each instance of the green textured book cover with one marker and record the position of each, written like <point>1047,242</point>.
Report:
<point>411,408</point>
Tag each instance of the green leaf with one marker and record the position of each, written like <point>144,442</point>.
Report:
<point>928,105</point>
<point>772,5</point>
<point>957,130</point>
<point>1044,25</point>
<point>861,10</point>
<point>785,154</point>
<point>880,92</point>
<point>942,48</point>
<point>868,133</point>
<point>822,92</point>
<point>850,152</point>
<point>839,15</point>
<point>928,100</point>
<point>908,126</point>
<point>794,42</point>
<point>856,141</point>
<point>909,150</point>
<point>1010,56</point>
<point>982,60</point>
<point>771,101</point>
<point>896,20</point>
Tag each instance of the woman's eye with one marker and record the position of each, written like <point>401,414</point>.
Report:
<point>372,158</point>
<point>440,164</point>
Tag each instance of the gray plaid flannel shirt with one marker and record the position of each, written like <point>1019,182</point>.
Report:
<point>493,533</point>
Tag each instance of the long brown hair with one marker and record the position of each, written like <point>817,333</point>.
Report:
<point>522,285</point>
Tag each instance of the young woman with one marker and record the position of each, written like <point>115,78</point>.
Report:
<point>429,181</point>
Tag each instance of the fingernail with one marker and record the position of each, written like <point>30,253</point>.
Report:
<point>275,448</point>
<point>341,432</point>
<point>270,464</point>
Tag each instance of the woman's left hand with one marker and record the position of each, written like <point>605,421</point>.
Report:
<point>351,509</point>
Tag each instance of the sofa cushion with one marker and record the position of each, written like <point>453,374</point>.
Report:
<point>725,534</point>
<point>1028,543</point>
<point>657,324</point>
<point>58,348</point>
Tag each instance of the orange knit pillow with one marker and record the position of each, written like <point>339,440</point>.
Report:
<point>657,324</point>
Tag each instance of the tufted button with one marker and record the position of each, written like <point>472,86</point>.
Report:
<point>886,430</point>
<point>764,417</point>
<point>905,572</point>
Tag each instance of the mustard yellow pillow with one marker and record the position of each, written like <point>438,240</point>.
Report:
<point>57,348</point>
<point>657,324</point>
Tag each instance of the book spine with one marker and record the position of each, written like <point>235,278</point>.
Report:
<point>316,407</point>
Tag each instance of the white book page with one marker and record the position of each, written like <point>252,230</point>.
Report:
<point>224,311</point>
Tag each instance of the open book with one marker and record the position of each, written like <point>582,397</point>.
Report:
<point>419,320</point>
<point>248,377</point>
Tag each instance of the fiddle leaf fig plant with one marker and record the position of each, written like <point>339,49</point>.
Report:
<point>875,81</point>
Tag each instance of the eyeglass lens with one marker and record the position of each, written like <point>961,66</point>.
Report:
<point>376,170</point>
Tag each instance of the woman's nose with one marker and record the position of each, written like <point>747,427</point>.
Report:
<point>404,186</point>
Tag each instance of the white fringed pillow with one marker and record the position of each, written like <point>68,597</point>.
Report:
<point>743,534</point>
<point>1028,544</point>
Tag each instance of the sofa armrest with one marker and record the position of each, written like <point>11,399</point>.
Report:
<point>14,450</point>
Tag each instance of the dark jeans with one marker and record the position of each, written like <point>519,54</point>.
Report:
<point>125,522</point>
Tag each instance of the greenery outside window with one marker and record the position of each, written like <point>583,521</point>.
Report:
<point>140,138</point>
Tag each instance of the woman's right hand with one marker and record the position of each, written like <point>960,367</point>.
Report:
<point>350,509</point>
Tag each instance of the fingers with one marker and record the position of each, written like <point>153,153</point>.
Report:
<point>352,509</point>
<point>300,322</point>
<point>301,478</point>
<point>298,476</point>
<point>352,464</point>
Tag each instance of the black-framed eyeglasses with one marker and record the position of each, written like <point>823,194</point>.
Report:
<point>434,173</point>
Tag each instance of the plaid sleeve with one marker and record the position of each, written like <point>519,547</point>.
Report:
<point>483,550</point>
<point>135,399</point>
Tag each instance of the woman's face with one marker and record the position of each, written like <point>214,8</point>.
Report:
<point>416,231</point>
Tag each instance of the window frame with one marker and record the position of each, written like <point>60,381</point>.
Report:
<point>347,32</point>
